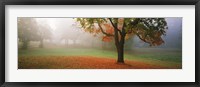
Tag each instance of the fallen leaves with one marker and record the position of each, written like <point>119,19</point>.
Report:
<point>80,62</point>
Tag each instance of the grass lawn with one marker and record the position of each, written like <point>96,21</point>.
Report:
<point>71,58</point>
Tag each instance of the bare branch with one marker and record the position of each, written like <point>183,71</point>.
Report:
<point>143,39</point>
<point>115,27</point>
<point>104,31</point>
<point>116,34</point>
<point>123,29</point>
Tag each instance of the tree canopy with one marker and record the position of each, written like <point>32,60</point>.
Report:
<point>148,30</point>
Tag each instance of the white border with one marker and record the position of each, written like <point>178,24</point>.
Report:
<point>187,74</point>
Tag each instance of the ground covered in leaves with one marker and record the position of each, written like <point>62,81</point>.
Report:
<point>82,62</point>
<point>90,58</point>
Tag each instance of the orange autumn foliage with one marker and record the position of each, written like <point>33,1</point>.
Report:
<point>109,30</point>
<point>106,39</point>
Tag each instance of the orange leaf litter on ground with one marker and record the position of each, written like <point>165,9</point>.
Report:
<point>79,62</point>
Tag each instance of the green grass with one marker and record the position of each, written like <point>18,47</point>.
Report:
<point>67,52</point>
<point>161,57</point>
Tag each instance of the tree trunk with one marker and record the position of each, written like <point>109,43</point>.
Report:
<point>41,43</point>
<point>120,48</point>
<point>25,44</point>
<point>120,51</point>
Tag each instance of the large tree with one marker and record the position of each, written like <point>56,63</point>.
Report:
<point>148,30</point>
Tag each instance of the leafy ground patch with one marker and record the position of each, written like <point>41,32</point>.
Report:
<point>71,58</point>
<point>82,62</point>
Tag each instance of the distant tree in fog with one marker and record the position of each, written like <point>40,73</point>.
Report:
<point>30,30</point>
<point>72,34</point>
<point>27,31</point>
<point>44,33</point>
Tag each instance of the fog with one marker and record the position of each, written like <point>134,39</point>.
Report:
<point>66,32</point>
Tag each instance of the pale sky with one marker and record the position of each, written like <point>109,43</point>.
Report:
<point>53,22</point>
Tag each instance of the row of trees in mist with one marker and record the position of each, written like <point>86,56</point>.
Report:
<point>30,30</point>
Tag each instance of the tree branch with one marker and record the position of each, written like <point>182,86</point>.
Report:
<point>123,33</point>
<point>116,35</point>
<point>135,22</point>
<point>123,30</point>
<point>143,39</point>
<point>104,31</point>
<point>115,27</point>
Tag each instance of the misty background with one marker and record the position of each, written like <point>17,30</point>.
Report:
<point>66,32</point>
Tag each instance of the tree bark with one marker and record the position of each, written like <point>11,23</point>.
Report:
<point>119,43</point>
<point>120,51</point>
<point>120,48</point>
